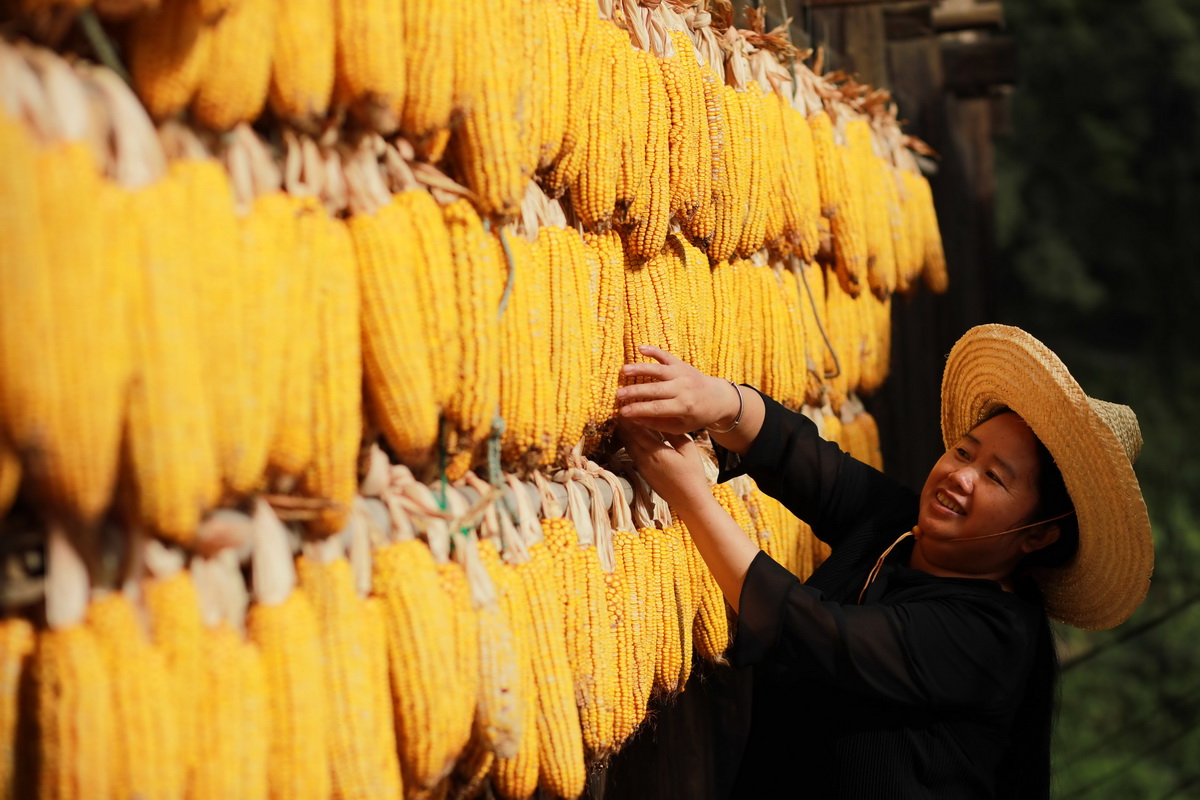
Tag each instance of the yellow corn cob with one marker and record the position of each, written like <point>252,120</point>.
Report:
<point>794,299</point>
<point>212,9</point>
<point>609,354</point>
<point>175,629</point>
<point>591,646</point>
<point>85,353</point>
<point>361,732</point>
<point>632,562</point>
<point>736,507</point>
<point>147,761</point>
<point>594,192</point>
<point>302,63</point>
<point>652,306</point>
<point>72,709</point>
<point>292,444</point>
<point>573,329</point>
<point>337,407</point>
<point>812,304</point>
<point>526,386</point>
<point>232,688</point>
<point>634,126</point>
<point>461,705</point>
<point>872,207</point>
<point>626,716</point>
<point>16,649</point>
<point>836,204</point>
<point>901,245</point>
<point>471,771</point>
<point>849,227</point>
<point>934,270</point>
<point>802,157</point>
<point>651,209</point>
<point>880,226</point>
<point>561,767</point>
<point>26,286</point>
<point>480,273</point>
<point>778,379</point>
<point>289,640</point>
<point>686,138</point>
<point>224,295</point>
<point>752,105</point>
<point>534,93</point>
<point>432,34</point>
<point>731,187</point>
<point>701,226</point>
<point>436,286</point>
<point>168,54</point>
<point>10,476</point>
<point>422,648</point>
<point>694,304</point>
<point>169,410</point>
<point>233,85</point>
<point>871,439</point>
<point>369,74</point>
<point>845,337</point>
<point>833,427</point>
<point>729,358</point>
<point>710,625</point>
<point>581,38</point>
<point>552,83</point>
<point>487,144</point>
<point>396,366</point>
<point>516,775</point>
<point>774,154</point>
<point>681,622</point>
<point>753,329</point>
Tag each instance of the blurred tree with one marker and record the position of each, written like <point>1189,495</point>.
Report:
<point>1098,217</point>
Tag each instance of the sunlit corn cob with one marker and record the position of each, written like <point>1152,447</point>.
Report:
<point>732,186</point>
<point>369,74</point>
<point>432,33</point>
<point>169,410</point>
<point>833,426</point>
<point>633,564</point>
<point>779,379</point>
<point>337,400</point>
<point>682,621</point>
<point>728,360</point>
<point>73,714</point>
<point>802,158</point>
<point>652,305</point>
<point>561,767</point>
<point>516,777</point>
<point>168,54</point>
<point>421,644</point>
<point>710,626</point>
<point>581,39</point>
<point>752,106</point>
<point>774,154</point>
<point>934,270</point>
<point>16,649</point>
<point>225,296</point>
<point>303,61</point>
<point>849,227</point>
<point>233,85</point>
<point>85,268</point>
<point>836,203</point>
<point>487,144</point>
<point>845,336</point>
<point>898,226</point>
<point>396,364</point>
<point>233,726</point>
<point>292,443</point>
<point>146,757</point>
<point>635,128</point>
<point>175,629</point>
<point>870,204</point>
<point>461,704</point>
<point>354,653</point>
<point>573,329</point>
<point>609,353</point>
<point>298,713</point>
<point>480,273</point>
<point>553,83</point>
<point>694,303</point>
<point>651,209</point>
<point>594,192</point>
<point>685,97</point>
<point>589,636</point>
<point>811,281</point>
<point>701,226</point>
<point>627,713</point>
<point>527,389</point>
<point>795,298</point>
<point>755,291</point>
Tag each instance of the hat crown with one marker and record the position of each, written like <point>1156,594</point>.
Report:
<point>1123,423</point>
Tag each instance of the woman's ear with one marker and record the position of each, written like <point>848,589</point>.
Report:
<point>1041,536</point>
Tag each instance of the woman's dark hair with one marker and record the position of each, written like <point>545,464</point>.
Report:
<point>1053,501</point>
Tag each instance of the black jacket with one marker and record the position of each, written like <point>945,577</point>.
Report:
<point>911,694</point>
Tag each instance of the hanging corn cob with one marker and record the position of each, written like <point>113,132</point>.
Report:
<point>608,265</point>
<point>837,204</point>
<point>731,189</point>
<point>369,74</point>
<point>232,87</point>
<point>594,194</point>
<point>303,61</point>
<point>580,33</point>
<point>17,639</point>
<point>439,75</point>
<point>168,55</point>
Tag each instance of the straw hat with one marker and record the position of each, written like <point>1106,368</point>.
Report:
<point>1094,444</point>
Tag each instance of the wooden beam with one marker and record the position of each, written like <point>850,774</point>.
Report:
<point>971,67</point>
<point>981,15</point>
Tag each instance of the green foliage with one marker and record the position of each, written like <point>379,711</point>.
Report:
<point>1098,216</point>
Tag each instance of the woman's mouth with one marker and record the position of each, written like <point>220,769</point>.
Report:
<point>948,502</point>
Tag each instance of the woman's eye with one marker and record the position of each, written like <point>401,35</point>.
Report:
<point>995,477</point>
<point>961,452</point>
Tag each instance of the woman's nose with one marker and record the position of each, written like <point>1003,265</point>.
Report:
<point>964,478</point>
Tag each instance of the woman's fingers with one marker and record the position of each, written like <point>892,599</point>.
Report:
<point>659,354</point>
<point>646,369</point>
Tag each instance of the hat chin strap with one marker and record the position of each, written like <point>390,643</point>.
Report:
<point>1001,533</point>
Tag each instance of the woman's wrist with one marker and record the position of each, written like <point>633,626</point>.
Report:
<point>732,406</point>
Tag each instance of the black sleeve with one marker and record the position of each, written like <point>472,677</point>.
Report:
<point>956,651</point>
<point>813,478</point>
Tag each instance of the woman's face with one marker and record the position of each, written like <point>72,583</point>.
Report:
<point>985,483</point>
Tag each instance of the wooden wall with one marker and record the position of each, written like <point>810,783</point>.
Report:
<point>950,89</point>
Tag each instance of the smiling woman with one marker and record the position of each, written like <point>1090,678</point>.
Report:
<point>923,665</point>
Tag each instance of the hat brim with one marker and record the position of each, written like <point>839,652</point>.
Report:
<point>998,365</point>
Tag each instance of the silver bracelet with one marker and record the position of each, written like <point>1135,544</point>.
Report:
<point>738,419</point>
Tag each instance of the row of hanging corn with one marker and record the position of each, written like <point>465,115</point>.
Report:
<point>215,319</point>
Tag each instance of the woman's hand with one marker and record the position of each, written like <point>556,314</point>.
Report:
<point>670,463</point>
<point>679,398</point>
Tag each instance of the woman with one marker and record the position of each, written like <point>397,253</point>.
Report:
<point>917,660</point>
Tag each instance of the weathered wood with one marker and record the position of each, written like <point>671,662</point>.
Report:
<point>865,43</point>
<point>908,20</point>
<point>979,16</point>
<point>972,67</point>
